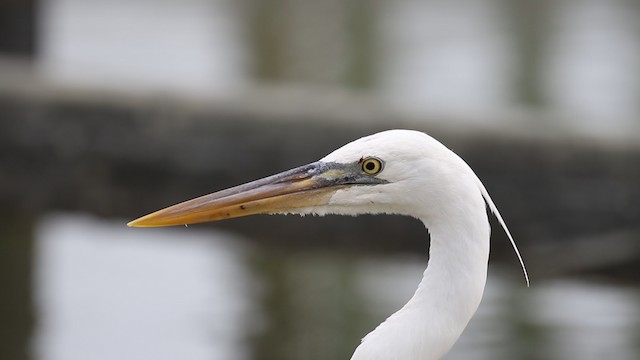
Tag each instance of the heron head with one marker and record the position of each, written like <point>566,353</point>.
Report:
<point>375,174</point>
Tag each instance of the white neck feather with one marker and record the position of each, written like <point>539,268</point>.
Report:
<point>448,295</point>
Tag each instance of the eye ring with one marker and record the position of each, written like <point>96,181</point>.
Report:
<point>372,166</point>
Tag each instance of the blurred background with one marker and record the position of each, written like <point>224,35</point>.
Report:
<point>112,109</point>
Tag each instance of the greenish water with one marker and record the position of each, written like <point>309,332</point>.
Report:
<point>99,290</point>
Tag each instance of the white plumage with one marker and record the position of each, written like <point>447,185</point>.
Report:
<point>430,182</point>
<point>418,177</point>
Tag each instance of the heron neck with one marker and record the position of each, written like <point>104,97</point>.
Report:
<point>447,297</point>
<point>454,280</point>
<point>453,283</point>
<point>449,293</point>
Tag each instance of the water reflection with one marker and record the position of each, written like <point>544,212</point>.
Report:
<point>588,321</point>
<point>106,291</point>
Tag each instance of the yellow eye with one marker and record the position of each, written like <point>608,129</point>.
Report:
<point>371,166</point>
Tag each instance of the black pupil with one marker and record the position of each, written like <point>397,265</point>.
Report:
<point>370,166</point>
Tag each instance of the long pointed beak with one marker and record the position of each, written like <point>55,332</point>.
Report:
<point>303,187</point>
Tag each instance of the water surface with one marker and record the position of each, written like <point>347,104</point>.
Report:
<point>106,291</point>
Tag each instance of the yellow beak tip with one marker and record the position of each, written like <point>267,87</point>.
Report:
<point>132,223</point>
<point>139,223</point>
<point>154,220</point>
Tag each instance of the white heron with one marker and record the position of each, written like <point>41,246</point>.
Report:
<point>393,172</point>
